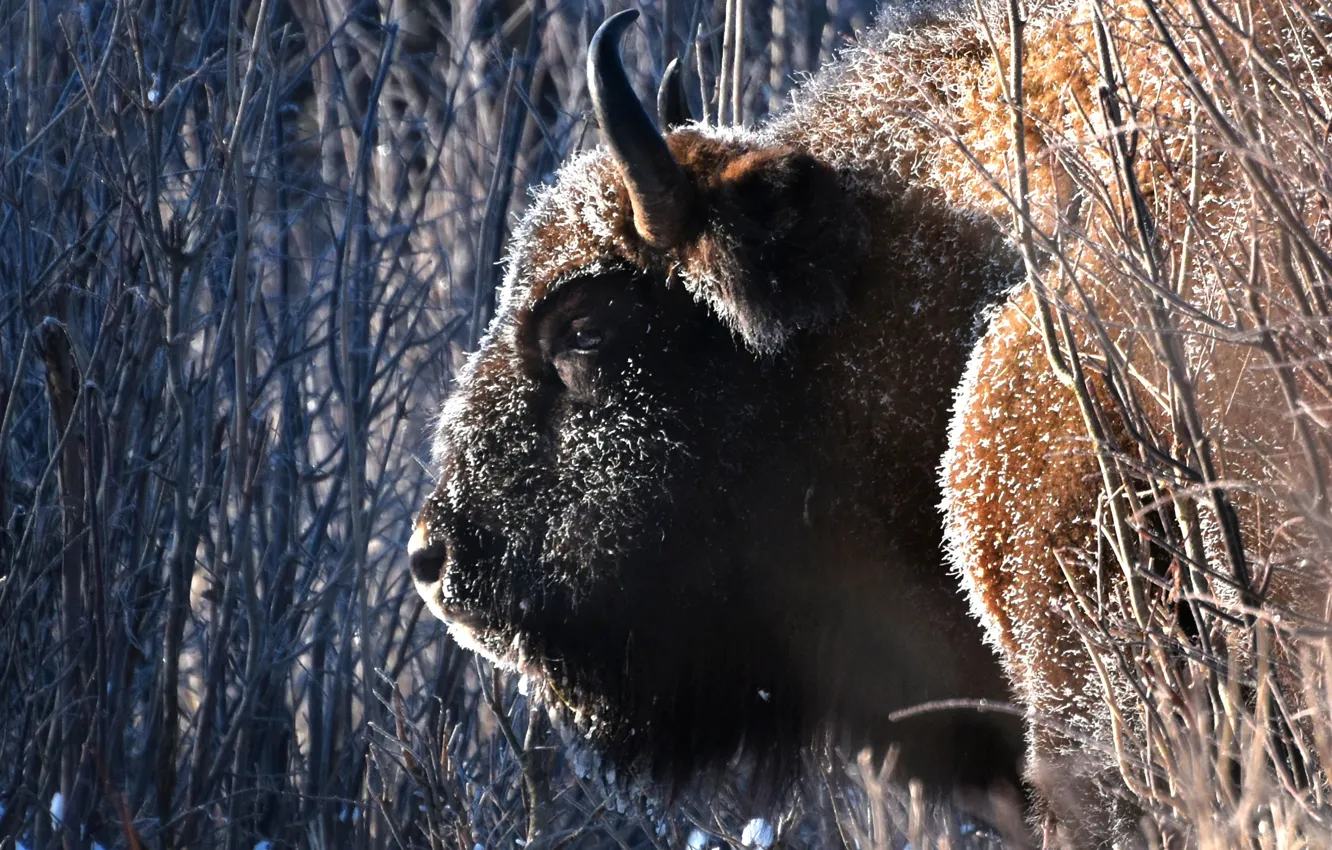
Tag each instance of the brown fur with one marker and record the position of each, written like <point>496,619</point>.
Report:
<point>1022,486</point>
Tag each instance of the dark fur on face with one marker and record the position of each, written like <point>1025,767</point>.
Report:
<point>662,488</point>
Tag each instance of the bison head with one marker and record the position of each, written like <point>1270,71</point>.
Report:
<point>655,496</point>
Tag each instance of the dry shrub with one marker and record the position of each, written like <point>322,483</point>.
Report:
<point>1176,231</point>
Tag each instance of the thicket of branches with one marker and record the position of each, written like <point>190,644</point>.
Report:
<point>1183,274</point>
<point>242,246</point>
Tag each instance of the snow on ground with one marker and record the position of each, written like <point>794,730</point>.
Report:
<point>758,833</point>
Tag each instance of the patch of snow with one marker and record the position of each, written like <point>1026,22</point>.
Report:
<point>757,833</point>
<point>57,809</point>
<point>585,762</point>
<point>264,845</point>
<point>698,840</point>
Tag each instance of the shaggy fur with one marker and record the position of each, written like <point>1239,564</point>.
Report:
<point>718,531</point>
<point>1021,483</point>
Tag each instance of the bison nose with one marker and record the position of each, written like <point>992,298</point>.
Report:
<point>426,555</point>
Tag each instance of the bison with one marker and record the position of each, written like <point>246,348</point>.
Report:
<point>690,480</point>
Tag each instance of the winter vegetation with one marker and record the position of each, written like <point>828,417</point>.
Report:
<point>244,246</point>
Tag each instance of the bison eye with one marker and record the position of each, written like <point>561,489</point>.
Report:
<point>586,339</point>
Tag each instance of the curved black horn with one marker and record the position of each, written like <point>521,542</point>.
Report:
<point>672,105</point>
<point>658,188</point>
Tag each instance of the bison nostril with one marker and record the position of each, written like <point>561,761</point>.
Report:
<point>426,556</point>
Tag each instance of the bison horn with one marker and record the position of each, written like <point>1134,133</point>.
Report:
<point>672,105</point>
<point>658,189</point>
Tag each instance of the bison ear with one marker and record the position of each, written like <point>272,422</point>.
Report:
<point>784,241</point>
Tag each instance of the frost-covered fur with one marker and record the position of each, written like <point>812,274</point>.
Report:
<point>718,532</point>
<point>1022,489</point>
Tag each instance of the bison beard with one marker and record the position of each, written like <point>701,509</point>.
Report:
<point>689,478</point>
